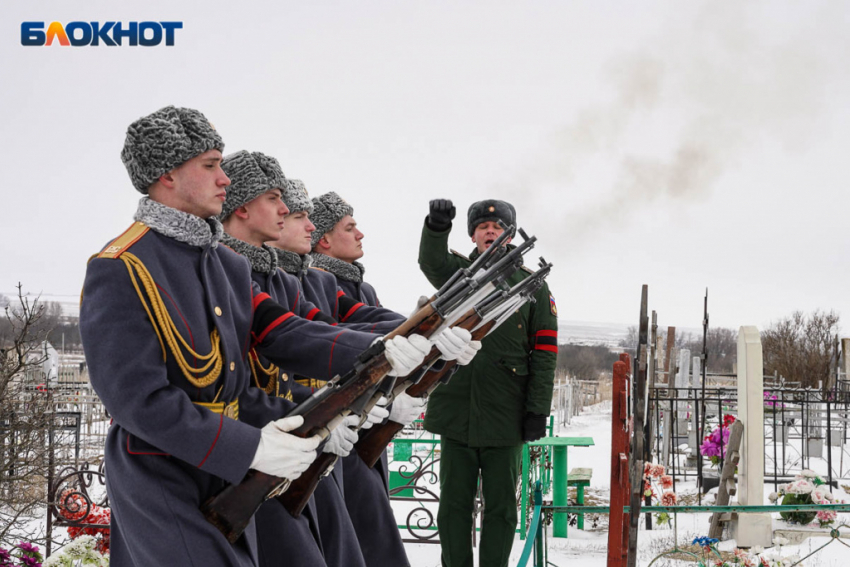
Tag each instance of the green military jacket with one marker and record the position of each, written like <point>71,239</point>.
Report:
<point>484,403</point>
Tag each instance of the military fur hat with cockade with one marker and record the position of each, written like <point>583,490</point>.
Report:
<point>490,210</point>
<point>251,174</point>
<point>328,209</point>
<point>296,197</point>
<point>159,142</point>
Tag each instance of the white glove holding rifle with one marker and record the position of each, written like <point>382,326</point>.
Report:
<point>456,343</point>
<point>406,353</point>
<point>342,438</point>
<point>282,454</point>
<point>377,414</point>
<point>406,409</point>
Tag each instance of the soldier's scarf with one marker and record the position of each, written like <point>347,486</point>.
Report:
<point>293,263</point>
<point>262,259</point>
<point>349,272</point>
<point>185,227</point>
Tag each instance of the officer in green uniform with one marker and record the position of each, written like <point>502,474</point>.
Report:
<point>492,406</point>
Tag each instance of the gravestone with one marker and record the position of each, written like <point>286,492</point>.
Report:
<point>751,529</point>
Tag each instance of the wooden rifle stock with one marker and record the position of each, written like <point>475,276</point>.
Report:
<point>231,509</point>
<point>301,489</point>
<point>374,441</point>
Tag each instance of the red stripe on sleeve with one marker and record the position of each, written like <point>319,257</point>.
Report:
<point>331,360</point>
<point>339,293</point>
<point>546,334</point>
<point>274,324</point>
<point>220,423</point>
<point>351,311</point>
<point>550,348</point>
<point>312,313</point>
<point>259,298</point>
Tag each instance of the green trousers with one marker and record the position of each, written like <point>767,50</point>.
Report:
<point>459,468</point>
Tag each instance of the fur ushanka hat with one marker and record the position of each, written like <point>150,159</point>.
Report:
<point>328,209</point>
<point>251,174</point>
<point>296,197</point>
<point>159,142</point>
<point>490,210</point>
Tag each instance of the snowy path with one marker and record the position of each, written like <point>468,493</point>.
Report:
<point>589,548</point>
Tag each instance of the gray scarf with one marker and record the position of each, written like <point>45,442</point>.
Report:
<point>352,272</point>
<point>178,225</point>
<point>262,259</point>
<point>291,262</point>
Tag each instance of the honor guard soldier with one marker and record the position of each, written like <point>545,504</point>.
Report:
<point>252,214</point>
<point>321,288</point>
<point>337,246</point>
<point>167,317</point>
<point>493,405</point>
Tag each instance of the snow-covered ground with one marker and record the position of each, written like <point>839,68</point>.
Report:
<point>589,548</point>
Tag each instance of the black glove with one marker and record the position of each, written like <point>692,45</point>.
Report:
<point>440,215</point>
<point>534,426</point>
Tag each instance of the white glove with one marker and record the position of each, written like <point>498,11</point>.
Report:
<point>452,342</point>
<point>377,414</point>
<point>406,353</point>
<point>406,409</point>
<point>468,353</point>
<point>342,439</point>
<point>283,454</point>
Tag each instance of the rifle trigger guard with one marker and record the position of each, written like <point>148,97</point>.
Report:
<point>279,489</point>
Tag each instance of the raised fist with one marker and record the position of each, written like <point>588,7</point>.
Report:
<point>440,214</point>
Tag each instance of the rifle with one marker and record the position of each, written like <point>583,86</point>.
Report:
<point>231,510</point>
<point>298,494</point>
<point>487,317</point>
<point>295,498</point>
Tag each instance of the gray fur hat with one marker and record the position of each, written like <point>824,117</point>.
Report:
<point>159,142</point>
<point>251,175</point>
<point>489,210</point>
<point>296,197</point>
<point>328,209</point>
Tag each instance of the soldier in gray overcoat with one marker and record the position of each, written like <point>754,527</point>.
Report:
<point>336,249</point>
<point>167,317</point>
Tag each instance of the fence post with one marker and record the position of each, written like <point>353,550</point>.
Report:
<point>618,523</point>
<point>538,536</point>
<point>752,529</point>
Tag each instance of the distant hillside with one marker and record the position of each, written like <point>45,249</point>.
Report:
<point>591,334</point>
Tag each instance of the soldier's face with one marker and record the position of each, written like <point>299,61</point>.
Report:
<point>296,233</point>
<point>485,233</point>
<point>344,240</point>
<point>264,217</point>
<point>199,186</point>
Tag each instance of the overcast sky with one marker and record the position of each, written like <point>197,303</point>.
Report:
<point>684,145</point>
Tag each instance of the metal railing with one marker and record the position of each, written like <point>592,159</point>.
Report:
<point>535,542</point>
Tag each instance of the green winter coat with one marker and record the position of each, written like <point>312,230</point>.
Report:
<point>484,403</point>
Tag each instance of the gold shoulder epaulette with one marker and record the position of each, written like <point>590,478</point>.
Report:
<point>318,268</point>
<point>456,253</point>
<point>123,242</point>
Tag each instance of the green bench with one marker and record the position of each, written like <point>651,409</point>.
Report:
<point>580,478</point>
